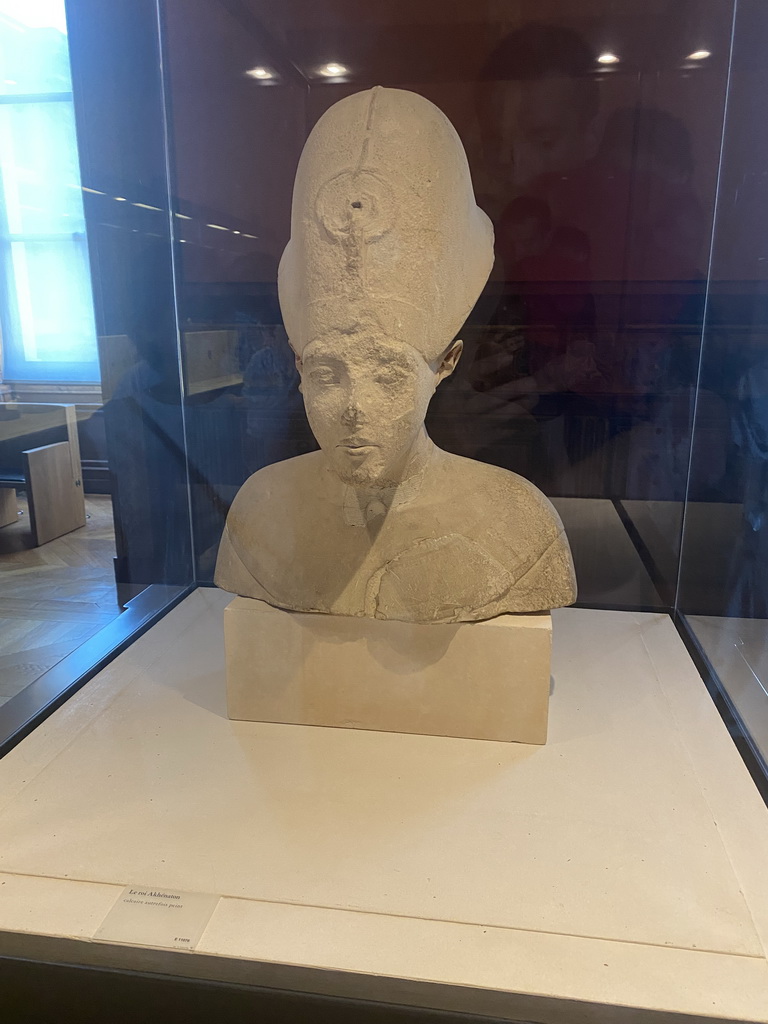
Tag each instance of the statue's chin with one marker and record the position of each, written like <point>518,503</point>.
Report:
<point>362,475</point>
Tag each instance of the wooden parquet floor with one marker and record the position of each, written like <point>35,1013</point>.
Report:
<point>54,597</point>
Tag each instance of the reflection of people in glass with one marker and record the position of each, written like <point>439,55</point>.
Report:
<point>535,252</point>
<point>537,105</point>
<point>590,206</point>
<point>537,108</point>
<point>634,199</point>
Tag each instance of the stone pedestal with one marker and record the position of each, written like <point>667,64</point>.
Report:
<point>480,680</point>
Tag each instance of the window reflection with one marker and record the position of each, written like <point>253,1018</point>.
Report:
<point>47,309</point>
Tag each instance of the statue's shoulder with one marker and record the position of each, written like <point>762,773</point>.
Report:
<point>280,477</point>
<point>279,485</point>
<point>259,538</point>
<point>270,502</point>
<point>518,528</point>
<point>505,496</point>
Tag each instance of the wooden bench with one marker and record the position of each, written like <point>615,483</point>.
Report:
<point>40,453</point>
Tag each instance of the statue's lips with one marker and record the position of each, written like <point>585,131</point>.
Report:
<point>359,447</point>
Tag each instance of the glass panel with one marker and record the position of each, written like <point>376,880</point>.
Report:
<point>599,175</point>
<point>723,592</point>
<point>72,595</point>
<point>119,109</point>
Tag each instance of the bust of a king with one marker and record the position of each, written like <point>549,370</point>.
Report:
<point>387,256</point>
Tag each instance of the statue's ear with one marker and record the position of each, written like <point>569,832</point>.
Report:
<point>449,360</point>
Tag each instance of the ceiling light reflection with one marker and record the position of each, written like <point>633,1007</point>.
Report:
<point>260,73</point>
<point>699,55</point>
<point>608,58</point>
<point>332,69</point>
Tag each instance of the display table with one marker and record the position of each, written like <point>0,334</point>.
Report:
<point>619,868</point>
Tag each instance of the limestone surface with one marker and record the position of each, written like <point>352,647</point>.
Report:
<point>452,679</point>
<point>388,254</point>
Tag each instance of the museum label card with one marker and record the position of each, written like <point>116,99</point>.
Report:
<point>154,916</point>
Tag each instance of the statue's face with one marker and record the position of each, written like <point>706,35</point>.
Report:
<point>366,397</point>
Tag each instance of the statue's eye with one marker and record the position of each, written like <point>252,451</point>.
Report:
<point>390,376</point>
<point>324,376</point>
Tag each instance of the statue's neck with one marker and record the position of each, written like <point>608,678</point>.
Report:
<point>362,504</point>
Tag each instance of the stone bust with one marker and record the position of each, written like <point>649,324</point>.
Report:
<point>387,256</point>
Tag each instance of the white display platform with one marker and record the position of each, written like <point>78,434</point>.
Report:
<point>618,869</point>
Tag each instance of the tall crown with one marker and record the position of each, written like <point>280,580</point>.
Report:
<point>385,230</point>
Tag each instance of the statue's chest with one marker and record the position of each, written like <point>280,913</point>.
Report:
<point>341,557</point>
<point>400,567</point>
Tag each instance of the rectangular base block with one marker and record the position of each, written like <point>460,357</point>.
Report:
<point>479,680</point>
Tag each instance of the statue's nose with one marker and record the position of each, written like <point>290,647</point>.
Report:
<point>352,415</point>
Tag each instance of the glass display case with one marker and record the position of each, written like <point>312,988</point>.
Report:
<point>613,358</point>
